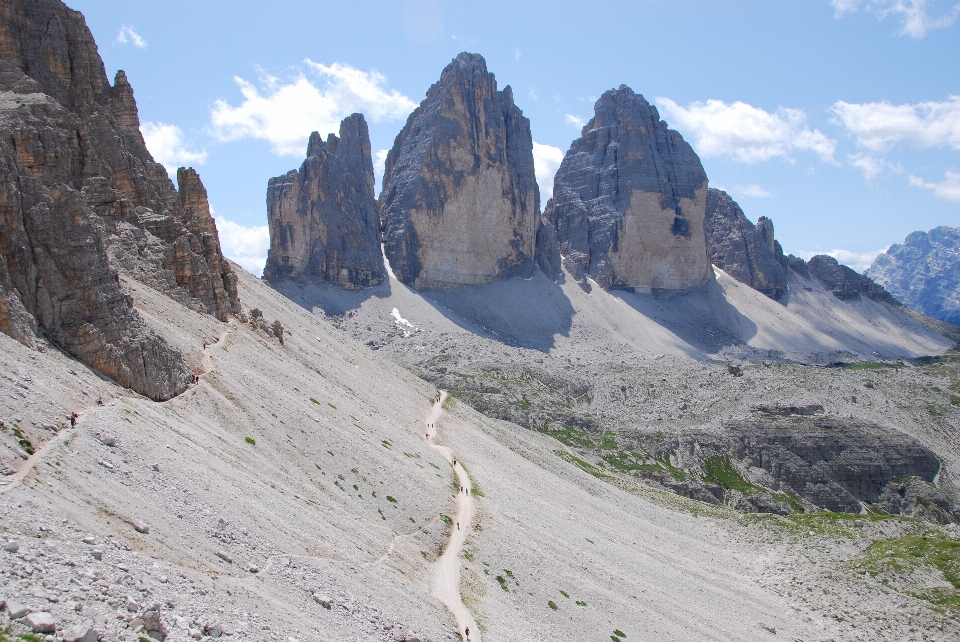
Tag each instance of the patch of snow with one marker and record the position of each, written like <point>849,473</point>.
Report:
<point>399,319</point>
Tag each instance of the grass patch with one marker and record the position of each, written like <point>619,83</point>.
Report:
<point>503,583</point>
<point>552,605</point>
<point>581,463</point>
<point>31,637</point>
<point>252,442</point>
<point>926,555</point>
<point>386,444</point>
<point>619,633</point>
<point>391,499</point>
<point>23,441</point>
<point>868,365</point>
<point>446,519</point>
<point>718,470</point>
<point>331,405</point>
<point>314,401</point>
<point>565,594</point>
<point>581,603</point>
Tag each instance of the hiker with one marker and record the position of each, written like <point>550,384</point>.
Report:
<point>99,401</point>
<point>454,462</point>
<point>73,420</point>
<point>467,631</point>
<point>458,525</point>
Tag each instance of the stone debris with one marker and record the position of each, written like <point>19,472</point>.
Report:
<point>41,622</point>
<point>225,557</point>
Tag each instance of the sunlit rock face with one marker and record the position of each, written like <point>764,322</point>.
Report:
<point>460,203</point>
<point>629,201</point>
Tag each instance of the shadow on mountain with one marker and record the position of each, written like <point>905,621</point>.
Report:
<point>333,300</point>
<point>700,316</point>
<point>518,312</point>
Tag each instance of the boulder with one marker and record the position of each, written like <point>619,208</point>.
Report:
<point>41,622</point>
<point>81,633</point>
<point>748,253</point>
<point>460,203</point>
<point>323,219</point>
<point>629,201</point>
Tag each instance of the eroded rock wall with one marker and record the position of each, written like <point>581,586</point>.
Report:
<point>460,203</point>
<point>323,219</point>
<point>629,200</point>
<point>748,253</point>
<point>82,201</point>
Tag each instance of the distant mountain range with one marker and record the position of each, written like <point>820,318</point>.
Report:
<point>923,272</point>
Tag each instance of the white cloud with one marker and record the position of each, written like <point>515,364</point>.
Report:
<point>284,114</point>
<point>859,261</point>
<point>247,246</point>
<point>753,191</point>
<point>546,162</point>
<point>128,36</point>
<point>948,189</point>
<point>880,126</point>
<point>380,166</point>
<point>533,94</point>
<point>746,133</point>
<point>167,145</point>
<point>516,54</point>
<point>915,20</point>
<point>872,166</point>
<point>576,121</point>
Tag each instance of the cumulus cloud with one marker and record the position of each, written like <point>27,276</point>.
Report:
<point>948,189</point>
<point>872,166</point>
<point>244,245</point>
<point>546,162</point>
<point>753,191</point>
<point>859,261</point>
<point>284,113</point>
<point>168,147</point>
<point>880,126</point>
<point>576,121</point>
<point>127,35</point>
<point>913,15</point>
<point>746,133</point>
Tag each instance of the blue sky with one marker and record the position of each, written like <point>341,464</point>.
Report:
<point>838,119</point>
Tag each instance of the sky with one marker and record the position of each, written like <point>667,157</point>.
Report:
<point>837,119</point>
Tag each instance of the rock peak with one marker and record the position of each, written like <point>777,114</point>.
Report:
<point>323,219</point>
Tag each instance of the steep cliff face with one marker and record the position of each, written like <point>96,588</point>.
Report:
<point>844,282</point>
<point>82,200</point>
<point>748,253</point>
<point>924,272</point>
<point>323,219</point>
<point>629,200</point>
<point>460,202</point>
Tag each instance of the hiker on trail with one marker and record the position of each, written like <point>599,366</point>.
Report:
<point>458,525</point>
<point>99,401</point>
<point>73,420</point>
<point>467,631</point>
<point>454,462</point>
<point>204,345</point>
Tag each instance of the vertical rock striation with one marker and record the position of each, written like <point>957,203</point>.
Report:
<point>82,201</point>
<point>460,202</point>
<point>629,200</point>
<point>748,253</point>
<point>323,219</point>
<point>924,272</point>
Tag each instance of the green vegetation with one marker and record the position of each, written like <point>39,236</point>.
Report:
<point>720,471</point>
<point>314,401</point>
<point>503,583</point>
<point>552,605</point>
<point>331,405</point>
<point>23,441</point>
<point>619,633</point>
<point>581,603</point>
<point>252,442</point>
<point>386,444</point>
<point>581,463</point>
<point>565,594</point>
<point>868,365</point>
<point>391,499</point>
<point>927,555</point>
<point>30,637</point>
<point>446,519</point>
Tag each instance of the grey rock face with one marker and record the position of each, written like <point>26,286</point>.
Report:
<point>846,284</point>
<point>748,253</point>
<point>924,272</point>
<point>82,201</point>
<point>629,200</point>
<point>460,203</point>
<point>323,219</point>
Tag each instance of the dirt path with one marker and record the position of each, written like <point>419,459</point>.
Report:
<point>207,363</point>
<point>446,572</point>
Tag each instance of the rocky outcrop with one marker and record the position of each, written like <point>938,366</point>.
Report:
<point>460,203</point>
<point>748,253</point>
<point>323,219</point>
<point>924,272</point>
<point>82,201</point>
<point>629,201</point>
<point>832,464</point>
<point>844,283</point>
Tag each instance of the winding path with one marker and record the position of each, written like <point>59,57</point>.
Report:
<point>446,571</point>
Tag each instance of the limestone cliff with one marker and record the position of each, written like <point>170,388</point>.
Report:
<point>924,272</point>
<point>629,200</point>
<point>844,282</point>
<point>323,219</point>
<point>748,253</point>
<point>82,201</point>
<point>460,202</point>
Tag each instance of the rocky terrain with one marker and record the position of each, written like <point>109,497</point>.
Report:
<point>323,219</point>
<point>83,201</point>
<point>460,202</point>
<point>629,201</point>
<point>747,252</point>
<point>923,273</point>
